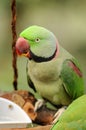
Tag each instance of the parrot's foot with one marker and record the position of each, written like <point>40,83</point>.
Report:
<point>58,114</point>
<point>38,104</point>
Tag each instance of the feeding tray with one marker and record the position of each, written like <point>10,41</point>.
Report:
<point>12,116</point>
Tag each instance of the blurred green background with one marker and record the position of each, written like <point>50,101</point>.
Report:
<point>66,18</point>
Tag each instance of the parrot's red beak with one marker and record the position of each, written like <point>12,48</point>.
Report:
<point>22,47</point>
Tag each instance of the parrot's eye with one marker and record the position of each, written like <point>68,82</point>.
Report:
<point>37,40</point>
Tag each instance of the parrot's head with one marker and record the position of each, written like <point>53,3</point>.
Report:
<point>38,44</point>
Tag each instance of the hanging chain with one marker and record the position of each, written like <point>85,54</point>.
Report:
<point>14,35</point>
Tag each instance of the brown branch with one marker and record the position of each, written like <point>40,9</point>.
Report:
<point>14,35</point>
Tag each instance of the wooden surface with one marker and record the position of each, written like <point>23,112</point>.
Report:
<point>35,128</point>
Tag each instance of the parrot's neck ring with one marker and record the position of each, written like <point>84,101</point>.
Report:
<point>42,59</point>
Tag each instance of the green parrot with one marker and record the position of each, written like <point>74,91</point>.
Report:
<point>51,71</point>
<point>74,117</point>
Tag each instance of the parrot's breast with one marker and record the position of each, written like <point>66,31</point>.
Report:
<point>44,72</point>
<point>47,82</point>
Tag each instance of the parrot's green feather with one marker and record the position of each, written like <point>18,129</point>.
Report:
<point>74,125</point>
<point>74,118</point>
<point>74,86</point>
<point>32,89</point>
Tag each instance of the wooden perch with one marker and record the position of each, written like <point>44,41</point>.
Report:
<point>35,128</point>
<point>14,35</point>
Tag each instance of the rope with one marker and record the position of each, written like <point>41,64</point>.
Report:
<point>14,35</point>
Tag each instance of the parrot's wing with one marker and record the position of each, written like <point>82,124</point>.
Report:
<point>30,83</point>
<point>32,89</point>
<point>74,125</point>
<point>72,78</point>
<point>74,118</point>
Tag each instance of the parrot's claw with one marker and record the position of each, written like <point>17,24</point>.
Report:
<point>38,104</point>
<point>58,114</point>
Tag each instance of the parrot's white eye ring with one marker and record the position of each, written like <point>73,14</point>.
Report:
<point>37,40</point>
